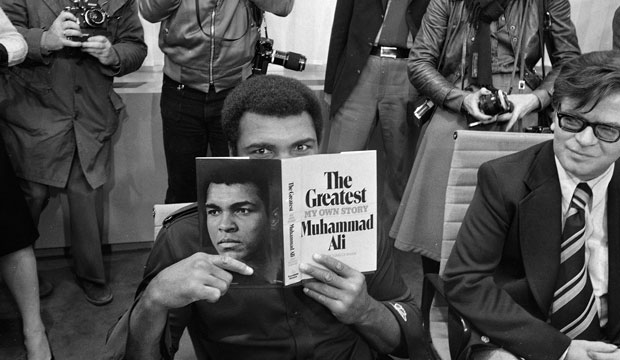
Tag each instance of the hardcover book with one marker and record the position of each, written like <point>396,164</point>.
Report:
<point>275,214</point>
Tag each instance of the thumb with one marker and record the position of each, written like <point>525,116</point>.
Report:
<point>599,346</point>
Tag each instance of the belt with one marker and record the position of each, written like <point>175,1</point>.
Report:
<point>390,52</point>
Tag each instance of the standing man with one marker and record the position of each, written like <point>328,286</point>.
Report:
<point>366,83</point>
<point>208,47</point>
<point>64,112</point>
<point>536,264</point>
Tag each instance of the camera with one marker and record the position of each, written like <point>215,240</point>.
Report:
<point>91,18</point>
<point>265,55</point>
<point>495,103</point>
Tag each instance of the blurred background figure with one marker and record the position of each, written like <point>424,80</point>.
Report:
<point>365,83</point>
<point>465,49</point>
<point>18,265</point>
<point>64,111</point>
<point>208,47</point>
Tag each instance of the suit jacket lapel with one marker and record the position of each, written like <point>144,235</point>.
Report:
<point>613,243</point>
<point>540,227</point>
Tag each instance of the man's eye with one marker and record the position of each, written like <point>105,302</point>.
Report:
<point>243,211</point>
<point>302,147</point>
<point>213,212</point>
<point>261,153</point>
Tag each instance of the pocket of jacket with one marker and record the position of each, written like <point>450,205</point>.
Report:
<point>114,118</point>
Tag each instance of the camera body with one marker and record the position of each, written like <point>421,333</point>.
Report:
<point>495,103</point>
<point>265,54</point>
<point>91,18</point>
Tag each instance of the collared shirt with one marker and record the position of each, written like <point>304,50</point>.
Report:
<point>595,232</point>
<point>270,322</point>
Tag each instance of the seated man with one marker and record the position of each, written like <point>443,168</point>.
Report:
<point>535,267</point>
<point>343,315</point>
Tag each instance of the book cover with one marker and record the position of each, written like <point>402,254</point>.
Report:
<point>274,215</point>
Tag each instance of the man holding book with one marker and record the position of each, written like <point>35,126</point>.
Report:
<point>342,315</point>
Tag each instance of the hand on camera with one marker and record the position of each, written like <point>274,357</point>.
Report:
<point>100,47</point>
<point>471,105</point>
<point>522,104</point>
<point>198,277</point>
<point>63,27</point>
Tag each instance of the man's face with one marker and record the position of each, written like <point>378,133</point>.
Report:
<point>582,154</point>
<point>269,137</point>
<point>237,219</point>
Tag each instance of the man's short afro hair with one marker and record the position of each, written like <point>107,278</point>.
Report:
<point>269,95</point>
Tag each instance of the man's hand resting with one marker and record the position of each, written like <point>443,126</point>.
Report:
<point>198,277</point>
<point>594,350</point>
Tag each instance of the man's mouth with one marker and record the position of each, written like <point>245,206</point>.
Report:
<point>228,242</point>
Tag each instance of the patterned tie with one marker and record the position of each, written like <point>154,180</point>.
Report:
<point>573,310</point>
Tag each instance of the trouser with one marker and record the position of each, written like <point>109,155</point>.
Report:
<point>380,97</point>
<point>191,124</point>
<point>83,219</point>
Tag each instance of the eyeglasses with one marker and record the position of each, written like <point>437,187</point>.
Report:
<point>573,123</point>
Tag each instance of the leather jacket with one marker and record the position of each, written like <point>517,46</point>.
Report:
<point>220,53</point>
<point>445,26</point>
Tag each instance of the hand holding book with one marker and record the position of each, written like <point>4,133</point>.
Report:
<point>338,287</point>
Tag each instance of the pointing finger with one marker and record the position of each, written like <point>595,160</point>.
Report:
<point>228,263</point>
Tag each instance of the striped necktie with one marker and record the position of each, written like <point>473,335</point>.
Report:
<point>573,311</point>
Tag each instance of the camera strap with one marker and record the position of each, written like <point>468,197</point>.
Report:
<point>519,54</point>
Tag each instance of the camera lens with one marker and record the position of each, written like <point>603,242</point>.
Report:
<point>290,60</point>
<point>94,17</point>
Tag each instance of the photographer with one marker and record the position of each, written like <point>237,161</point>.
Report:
<point>64,111</point>
<point>208,47</point>
<point>463,50</point>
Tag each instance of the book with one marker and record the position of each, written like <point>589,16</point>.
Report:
<point>275,214</point>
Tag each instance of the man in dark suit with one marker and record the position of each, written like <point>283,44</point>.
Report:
<point>366,84</point>
<point>536,264</point>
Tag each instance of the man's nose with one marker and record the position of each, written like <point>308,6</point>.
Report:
<point>586,136</point>
<point>227,223</point>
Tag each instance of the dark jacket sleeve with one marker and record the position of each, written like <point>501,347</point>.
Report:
<point>561,43</point>
<point>163,254</point>
<point>128,41</point>
<point>337,42</point>
<point>469,283</point>
<point>387,286</point>
<point>424,58</point>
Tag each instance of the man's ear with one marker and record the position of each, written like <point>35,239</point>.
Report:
<point>554,117</point>
<point>275,218</point>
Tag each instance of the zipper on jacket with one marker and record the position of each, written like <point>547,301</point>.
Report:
<point>212,47</point>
